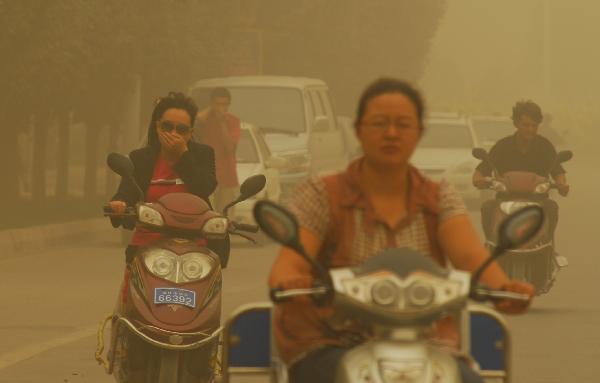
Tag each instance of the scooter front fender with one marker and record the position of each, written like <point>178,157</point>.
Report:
<point>386,361</point>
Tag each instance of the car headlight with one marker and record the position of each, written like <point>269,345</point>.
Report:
<point>384,293</point>
<point>195,266</point>
<point>148,215</point>
<point>420,294</point>
<point>542,188</point>
<point>215,227</point>
<point>401,371</point>
<point>161,263</point>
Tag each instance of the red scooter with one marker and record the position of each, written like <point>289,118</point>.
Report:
<point>536,262</point>
<point>166,324</point>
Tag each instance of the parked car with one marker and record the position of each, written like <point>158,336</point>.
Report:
<point>254,157</point>
<point>296,115</point>
<point>445,153</point>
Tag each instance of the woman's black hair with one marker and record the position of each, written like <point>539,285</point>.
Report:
<point>174,100</point>
<point>390,85</point>
<point>527,108</point>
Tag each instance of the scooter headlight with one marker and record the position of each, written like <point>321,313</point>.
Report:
<point>148,215</point>
<point>196,266</point>
<point>161,263</point>
<point>542,188</point>
<point>215,227</point>
<point>384,293</point>
<point>420,294</point>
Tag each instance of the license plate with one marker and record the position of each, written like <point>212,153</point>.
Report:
<point>170,295</point>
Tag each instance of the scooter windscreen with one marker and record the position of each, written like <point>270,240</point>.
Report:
<point>399,287</point>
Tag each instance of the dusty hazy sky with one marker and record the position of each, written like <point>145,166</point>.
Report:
<point>488,54</point>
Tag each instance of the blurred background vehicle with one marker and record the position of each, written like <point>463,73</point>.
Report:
<point>445,153</point>
<point>295,114</point>
<point>254,157</point>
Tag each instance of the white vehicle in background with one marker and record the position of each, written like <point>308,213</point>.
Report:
<point>296,115</point>
<point>491,128</point>
<point>445,153</point>
<point>254,157</point>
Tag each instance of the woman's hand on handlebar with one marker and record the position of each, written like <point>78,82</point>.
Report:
<point>563,189</point>
<point>118,207</point>
<point>510,306</point>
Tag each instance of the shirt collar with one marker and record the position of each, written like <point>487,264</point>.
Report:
<point>353,194</point>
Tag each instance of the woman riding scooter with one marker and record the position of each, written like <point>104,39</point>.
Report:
<point>380,201</point>
<point>170,162</point>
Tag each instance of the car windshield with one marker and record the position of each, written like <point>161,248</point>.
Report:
<point>447,135</point>
<point>246,150</point>
<point>269,108</point>
<point>491,131</point>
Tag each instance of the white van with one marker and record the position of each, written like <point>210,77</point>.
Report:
<point>296,116</point>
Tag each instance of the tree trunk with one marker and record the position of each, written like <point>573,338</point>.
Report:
<point>62,166</point>
<point>10,161</point>
<point>91,155</point>
<point>40,147</point>
<point>113,138</point>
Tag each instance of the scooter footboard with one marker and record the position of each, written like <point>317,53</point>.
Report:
<point>489,344</point>
<point>247,344</point>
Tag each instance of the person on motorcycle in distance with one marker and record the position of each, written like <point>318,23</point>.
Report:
<point>380,201</point>
<point>170,162</point>
<point>525,150</point>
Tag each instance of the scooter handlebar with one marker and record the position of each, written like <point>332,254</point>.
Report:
<point>487,294</point>
<point>108,212</point>
<point>279,295</point>
<point>245,227</point>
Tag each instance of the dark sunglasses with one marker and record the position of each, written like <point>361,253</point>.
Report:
<point>168,126</point>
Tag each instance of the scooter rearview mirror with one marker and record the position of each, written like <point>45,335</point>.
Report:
<point>564,156</point>
<point>252,186</point>
<point>479,153</point>
<point>123,166</point>
<point>516,230</point>
<point>249,188</point>
<point>520,227</point>
<point>281,225</point>
<point>120,164</point>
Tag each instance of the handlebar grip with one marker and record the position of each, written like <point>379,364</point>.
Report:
<point>246,227</point>
<point>275,295</point>
<point>108,212</point>
<point>483,294</point>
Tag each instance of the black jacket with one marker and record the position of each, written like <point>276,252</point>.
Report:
<point>196,168</point>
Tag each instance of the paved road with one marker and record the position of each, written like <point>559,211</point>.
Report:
<point>52,302</point>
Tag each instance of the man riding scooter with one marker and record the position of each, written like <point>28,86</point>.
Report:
<point>524,151</point>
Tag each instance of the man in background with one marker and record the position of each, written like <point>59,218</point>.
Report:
<point>221,130</point>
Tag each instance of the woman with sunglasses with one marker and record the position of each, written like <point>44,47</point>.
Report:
<point>170,162</point>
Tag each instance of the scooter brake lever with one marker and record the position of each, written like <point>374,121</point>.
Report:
<point>247,237</point>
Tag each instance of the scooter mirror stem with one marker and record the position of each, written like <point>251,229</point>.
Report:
<point>321,272</point>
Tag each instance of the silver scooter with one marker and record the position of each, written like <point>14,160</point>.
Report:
<point>400,294</point>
